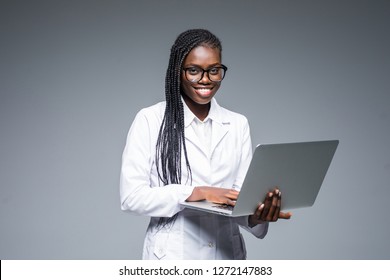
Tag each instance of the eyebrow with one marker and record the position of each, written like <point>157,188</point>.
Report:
<point>196,65</point>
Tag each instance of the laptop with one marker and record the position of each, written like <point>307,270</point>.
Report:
<point>297,169</point>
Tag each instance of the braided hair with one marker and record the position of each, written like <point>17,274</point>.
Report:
<point>171,136</point>
<point>171,139</point>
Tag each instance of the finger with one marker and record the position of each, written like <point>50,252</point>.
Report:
<point>232,194</point>
<point>259,210</point>
<point>278,205</point>
<point>234,191</point>
<point>267,205</point>
<point>283,215</point>
<point>255,218</point>
<point>273,207</point>
<point>230,202</point>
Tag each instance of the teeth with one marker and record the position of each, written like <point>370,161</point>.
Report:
<point>204,90</point>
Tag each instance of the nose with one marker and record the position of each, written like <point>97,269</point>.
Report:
<point>205,78</point>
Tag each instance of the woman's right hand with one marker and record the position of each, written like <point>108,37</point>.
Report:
<point>213,194</point>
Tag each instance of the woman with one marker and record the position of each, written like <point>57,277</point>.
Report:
<point>189,148</point>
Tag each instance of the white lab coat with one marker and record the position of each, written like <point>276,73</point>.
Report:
<point>194,234</point>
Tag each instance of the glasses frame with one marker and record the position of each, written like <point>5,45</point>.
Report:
<point>207,71</point>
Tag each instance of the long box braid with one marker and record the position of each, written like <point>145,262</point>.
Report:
<point>171,139</point>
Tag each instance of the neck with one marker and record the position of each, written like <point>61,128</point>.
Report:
<point>201,111</point>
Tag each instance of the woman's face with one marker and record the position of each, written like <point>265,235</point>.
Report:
<point>202,91</point>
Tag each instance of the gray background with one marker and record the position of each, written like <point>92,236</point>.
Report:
<point>74,74</point>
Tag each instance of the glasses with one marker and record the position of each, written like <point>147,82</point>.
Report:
<point>215,74</point>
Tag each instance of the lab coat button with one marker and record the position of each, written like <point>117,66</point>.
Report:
<point>211,244</point>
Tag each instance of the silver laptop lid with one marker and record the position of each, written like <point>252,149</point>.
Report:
<point>297,169</point>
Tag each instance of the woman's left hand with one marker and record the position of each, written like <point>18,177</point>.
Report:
<point>269,210</point>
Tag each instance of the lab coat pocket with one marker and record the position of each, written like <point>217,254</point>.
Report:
<point>239,249</point>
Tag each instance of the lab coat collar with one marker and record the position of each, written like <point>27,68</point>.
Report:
<point>215,114</point>
<point>220,126</point>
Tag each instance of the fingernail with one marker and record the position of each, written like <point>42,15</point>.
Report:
<point>261,206</point>
<point>270,194</point>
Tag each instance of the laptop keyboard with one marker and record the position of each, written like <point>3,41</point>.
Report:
<point>224,206</point>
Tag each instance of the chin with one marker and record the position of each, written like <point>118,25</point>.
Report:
<point>203,100</point>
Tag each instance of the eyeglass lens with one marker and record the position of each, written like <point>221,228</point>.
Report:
<point>195,74</point>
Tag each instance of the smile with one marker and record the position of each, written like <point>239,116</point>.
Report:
<point>203,90</point>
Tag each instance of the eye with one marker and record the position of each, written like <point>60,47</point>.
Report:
<point>193,70</point>
<point>214,71</point>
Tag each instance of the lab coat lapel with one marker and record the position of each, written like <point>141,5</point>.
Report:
<point>189,132</point>
<point>221,124</point>
<point>219,131</point>
<point>191,137</point>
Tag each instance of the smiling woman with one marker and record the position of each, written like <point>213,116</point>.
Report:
<point>181,150</point>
